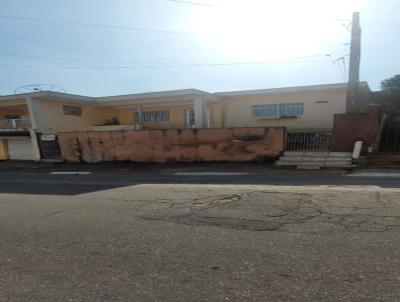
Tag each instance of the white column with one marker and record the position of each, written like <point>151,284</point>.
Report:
<point>32,131</point>
<point>200,112</point>
<point>35,145</point>
<point>31,111</point>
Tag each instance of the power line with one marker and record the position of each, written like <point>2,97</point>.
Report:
<point>117,27</point>
<point>142,29</point>
<point>6,54</point>
<point>79,59</point>
<point>195,3</point>
<point>106,26</point>
<point>304,59</point>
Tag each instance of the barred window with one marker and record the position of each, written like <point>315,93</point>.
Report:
<point>291,109</point>
<point>72,110</point>
<point>154,116</point>
<point>268,111</point>
<point>276,111</point>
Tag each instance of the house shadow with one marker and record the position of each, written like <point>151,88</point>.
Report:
<point>41,180</point>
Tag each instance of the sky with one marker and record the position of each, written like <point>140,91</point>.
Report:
<point>103,47</point>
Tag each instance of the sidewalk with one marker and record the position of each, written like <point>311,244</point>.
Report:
<point>390,173</point>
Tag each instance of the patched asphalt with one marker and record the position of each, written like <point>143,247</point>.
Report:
<point>144,233</point>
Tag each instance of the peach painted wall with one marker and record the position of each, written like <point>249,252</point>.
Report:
<point>320,106</point>
<point>188,145</point>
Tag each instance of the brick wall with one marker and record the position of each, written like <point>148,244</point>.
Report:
<point>351,127</point>
<point>235,144</point>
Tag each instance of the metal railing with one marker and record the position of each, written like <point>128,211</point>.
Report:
<point>24,123</point>
<point>308,141</point>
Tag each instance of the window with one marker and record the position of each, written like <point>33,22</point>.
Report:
<point>72,110</point>
<point>269,111</point>
<point>154,116</point>
<point>276,111</point>
<point>189,118</point>
<point>291,109</point>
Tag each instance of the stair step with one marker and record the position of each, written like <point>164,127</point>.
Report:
<point>317,154</point>
<point>307,158</point>
<point>315,163</point>
<point>306,167</point>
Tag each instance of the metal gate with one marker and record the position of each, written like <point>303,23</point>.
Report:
<point>390,135</point>
<point>308,141</point>
<point>49,147</point>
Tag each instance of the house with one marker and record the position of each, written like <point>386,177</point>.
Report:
<point>24,118</point>
<point>29,122</point>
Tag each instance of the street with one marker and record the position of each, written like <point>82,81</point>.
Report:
<point>197,232</point>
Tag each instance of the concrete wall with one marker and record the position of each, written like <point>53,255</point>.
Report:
<point>352,127</point>
<point>319,109</point>
<point>237,144</point>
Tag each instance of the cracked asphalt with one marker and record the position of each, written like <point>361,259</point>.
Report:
<point>141,233</point>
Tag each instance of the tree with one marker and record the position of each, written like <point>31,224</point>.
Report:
<point>389,96</point>
<point>392,84</point>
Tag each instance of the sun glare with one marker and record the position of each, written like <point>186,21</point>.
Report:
<point>263,30</point>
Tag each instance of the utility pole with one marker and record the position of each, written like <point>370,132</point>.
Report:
<point>353,93</point>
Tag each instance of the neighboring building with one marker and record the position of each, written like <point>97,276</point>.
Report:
<point>25,117</point>
<point>29,122</point>
<point>305,107</point>
<point>189,108</point>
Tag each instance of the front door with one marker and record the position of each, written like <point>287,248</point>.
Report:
<point>49,147</point>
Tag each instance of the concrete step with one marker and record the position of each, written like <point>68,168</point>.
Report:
<point>317,154</point>
<point>306,167</point>
<point>308,158</point>
<point>315,163</point>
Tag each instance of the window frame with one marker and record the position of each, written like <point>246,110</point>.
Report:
<point>72,110</point>
<point>153,116</point>
<point>276,111</point>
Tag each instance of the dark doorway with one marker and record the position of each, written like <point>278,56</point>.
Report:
<point>49,147</point>
<point>390,135</point>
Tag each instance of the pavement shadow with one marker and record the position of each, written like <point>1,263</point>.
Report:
<point>40,181</point>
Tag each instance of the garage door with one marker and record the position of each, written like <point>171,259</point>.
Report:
<point>20,148</point>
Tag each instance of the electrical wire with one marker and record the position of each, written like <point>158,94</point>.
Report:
<point>304,59</point>
<point>194,3</point>
<point>7,54</point>
<point>79,59</point>
<point>142,29</point>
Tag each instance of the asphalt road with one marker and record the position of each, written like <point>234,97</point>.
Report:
<point>202,232</point>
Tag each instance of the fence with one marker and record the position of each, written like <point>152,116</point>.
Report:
<point>308,141</point>
<point>187,145</point>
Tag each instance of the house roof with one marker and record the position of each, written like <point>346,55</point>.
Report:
<point>48,95</point>
<point>151,95</point>
<point>66,97</point>
<point>58,96</point>
<point>285,89</point>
